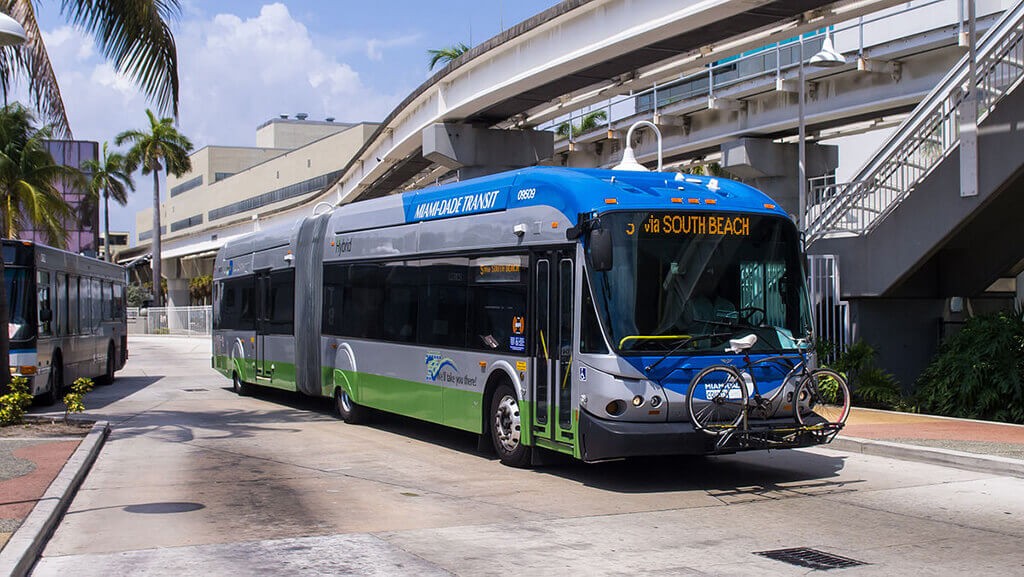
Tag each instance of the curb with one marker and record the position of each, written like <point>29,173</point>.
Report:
<point>25,546</point>
<point>935,456</point>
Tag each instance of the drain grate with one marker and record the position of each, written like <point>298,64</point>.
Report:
<point>810,558</point>
<point>194,390</point>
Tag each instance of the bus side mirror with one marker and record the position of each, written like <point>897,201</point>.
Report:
<point>601,249</point>
<point>45,315</point>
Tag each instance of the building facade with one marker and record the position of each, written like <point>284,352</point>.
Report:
<point>84,223</point>
<point>231,189</point>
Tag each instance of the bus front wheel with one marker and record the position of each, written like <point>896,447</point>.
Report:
<point>506,428</point>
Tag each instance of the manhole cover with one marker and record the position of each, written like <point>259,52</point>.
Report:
<point>810,558</point>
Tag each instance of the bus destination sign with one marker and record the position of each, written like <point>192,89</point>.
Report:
<point>674,224</point>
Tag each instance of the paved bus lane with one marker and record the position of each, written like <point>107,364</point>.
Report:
<point>195,480</point>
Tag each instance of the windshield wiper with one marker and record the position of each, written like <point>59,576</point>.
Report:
<point>679,345</point>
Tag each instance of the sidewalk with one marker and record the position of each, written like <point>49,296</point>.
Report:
<point>963,443</point>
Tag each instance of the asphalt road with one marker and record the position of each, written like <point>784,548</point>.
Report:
<point>197,481</point>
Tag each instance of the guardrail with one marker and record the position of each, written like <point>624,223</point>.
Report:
<point>926,137</point>
<point>190,321</point>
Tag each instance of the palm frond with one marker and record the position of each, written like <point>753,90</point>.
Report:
<point>446,55</point>
<point>32,61</point>
<point>135,35</point>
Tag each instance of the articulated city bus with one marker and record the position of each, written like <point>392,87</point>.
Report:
<point>66,317</point>
<point>553,308</point>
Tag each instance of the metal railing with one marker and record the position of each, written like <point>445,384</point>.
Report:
<point>773,61</point>
<point>927,136</point>
<point>190,321</point>
<point>830,313</point>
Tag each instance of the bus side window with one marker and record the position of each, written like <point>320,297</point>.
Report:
<point>96,295</point>
<point>61,315</point>
<point>45,305</point>
<point>73,309</point>
<point>118,301</point>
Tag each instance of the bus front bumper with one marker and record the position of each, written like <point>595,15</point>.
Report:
<point>602,440</point>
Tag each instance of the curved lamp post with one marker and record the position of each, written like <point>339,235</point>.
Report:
<point>628,161</point>
<point>827,57</point>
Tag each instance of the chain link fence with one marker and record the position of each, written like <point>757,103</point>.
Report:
<point>190,321</point>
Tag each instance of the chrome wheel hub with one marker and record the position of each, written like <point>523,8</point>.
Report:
<point>506,423</point>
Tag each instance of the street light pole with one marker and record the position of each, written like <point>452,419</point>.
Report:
<point>826,57</point>
<point>11,34</point>
<point>801,142</point>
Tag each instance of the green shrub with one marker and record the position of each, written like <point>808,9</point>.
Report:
<point>14,403</point>
<point>73,402</point>
<point>979,371</point>
<point>870,386</point>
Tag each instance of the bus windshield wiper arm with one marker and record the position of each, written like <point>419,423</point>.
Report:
<point>678,345</point>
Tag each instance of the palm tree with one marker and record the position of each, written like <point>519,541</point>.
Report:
<point>134,36</point>
<point>446,55</point>
<point>162,147</point>
<point>29,178</point>
<point>110,178</point>
<point>589,122</point>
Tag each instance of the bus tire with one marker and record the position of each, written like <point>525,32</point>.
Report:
<point>506,427</point>
<point>242,388</point>
<point>348,410</point>
<point>108,375</point>
<point>54,384</point>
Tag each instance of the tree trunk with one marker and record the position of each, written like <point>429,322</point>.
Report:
<point>155,263</point>
<point>106,227</point>
<point>5,341</point>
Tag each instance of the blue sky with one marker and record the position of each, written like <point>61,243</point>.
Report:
<point>242,63</point>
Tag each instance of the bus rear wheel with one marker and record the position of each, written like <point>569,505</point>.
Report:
<point>506,428</point>
<point>54,384</point>
<point>348,410</point>
<point>108,375</point>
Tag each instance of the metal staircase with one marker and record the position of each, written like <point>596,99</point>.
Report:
<point>926,138</point>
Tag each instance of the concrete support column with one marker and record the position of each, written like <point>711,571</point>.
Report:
<point>177,292</point>
<point>773,168</point>
<point>903,332</point>
<point>478,151</point>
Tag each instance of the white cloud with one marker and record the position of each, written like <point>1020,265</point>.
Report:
<point>375,46</point>
<point>235,73</point>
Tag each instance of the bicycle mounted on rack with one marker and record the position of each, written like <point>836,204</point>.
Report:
<point>809,406</point>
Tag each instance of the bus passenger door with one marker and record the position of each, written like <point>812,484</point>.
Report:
<point>553,314</point>
<point>263,370</point>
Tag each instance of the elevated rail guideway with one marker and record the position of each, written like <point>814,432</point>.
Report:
<point>574,53</point>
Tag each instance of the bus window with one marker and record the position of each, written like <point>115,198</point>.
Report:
<point>498,309</point>
<point>443,299</point>
<point>62,305</point>
<point>282,303</point>
<point>118,312</point>
<point>73,310</point>
<point>334,288</point>
<point>398,315</point>
<point>96,300</point>
<point>45,303</point>
<point>363,301</point>
<point>107,299</point>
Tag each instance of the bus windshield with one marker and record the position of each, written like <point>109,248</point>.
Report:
<point>21,322</point>
<point>689,282</point>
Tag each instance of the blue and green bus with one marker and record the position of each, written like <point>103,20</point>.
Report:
<point>547,309</point>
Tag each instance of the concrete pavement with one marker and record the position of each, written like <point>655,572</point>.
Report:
<point>197,481</point>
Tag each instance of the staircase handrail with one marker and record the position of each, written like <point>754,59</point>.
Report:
<point>923,126</point>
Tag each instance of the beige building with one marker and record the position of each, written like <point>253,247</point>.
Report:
<point>233,190</point>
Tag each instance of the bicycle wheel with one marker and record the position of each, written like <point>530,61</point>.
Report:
<point>717,399</point>
<point>822,400</point>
